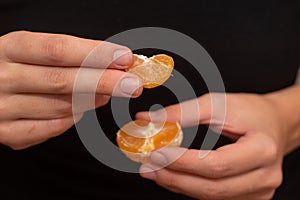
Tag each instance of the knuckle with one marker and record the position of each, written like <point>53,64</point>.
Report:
<point>57,126</point>
<point>168,181</point>
<point>105,102</point>
<point>3,107</point>
<point>181,163</point>
<point>267,196</point>
<point>66,109</point>
<point>15,34</point>
<point>101,101</point>
<point>213,95</point>
<point>12,35</point>
<point>276,181</point>
<point>55,48</point>
<point>63,107</point>
<point>271,153</point>
<point>205,97</point>
<point>273,178</point>
<point>57,79</point>
<point>5,76</point>
<point>9,42</point>
<point>9,38</point>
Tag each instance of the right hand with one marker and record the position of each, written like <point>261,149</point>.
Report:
<point>37,73</point>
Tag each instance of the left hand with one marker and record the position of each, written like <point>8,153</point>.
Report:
<point>249,168</point>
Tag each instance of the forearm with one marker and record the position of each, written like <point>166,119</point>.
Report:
<point>287,102</point>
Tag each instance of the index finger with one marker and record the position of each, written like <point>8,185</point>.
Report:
<point>248,153</point>
<point>63,50</point>
<point>186,113</point>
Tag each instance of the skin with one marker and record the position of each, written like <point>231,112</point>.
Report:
<point>37,73</point>
<point>264,128</point>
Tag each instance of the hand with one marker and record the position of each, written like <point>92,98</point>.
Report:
<point>249,168</point>
<point>37,73</point>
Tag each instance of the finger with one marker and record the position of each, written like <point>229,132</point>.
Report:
<point>209,108</point>
<point>203,188</point>
<point>30,106</point>
<point>57,80</point>
<point>248,153</point>
<point>187,113</point>
<point>63,50</point>
<point>24,133</point>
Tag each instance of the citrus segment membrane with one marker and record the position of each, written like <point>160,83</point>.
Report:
<point>137,139</point>
<point>153,71</point>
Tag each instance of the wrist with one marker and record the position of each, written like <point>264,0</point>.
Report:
<point>286,102</point>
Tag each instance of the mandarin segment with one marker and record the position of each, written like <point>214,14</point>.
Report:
<point>129,143</point>
<point>164,59</point>
<point>137,139</point>
<point>153,71</point>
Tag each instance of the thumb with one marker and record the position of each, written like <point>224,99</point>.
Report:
<point>187,113</point>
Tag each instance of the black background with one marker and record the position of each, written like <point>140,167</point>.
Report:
<point>255,45</point>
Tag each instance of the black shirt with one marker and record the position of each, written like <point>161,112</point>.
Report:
<point>255,45</point>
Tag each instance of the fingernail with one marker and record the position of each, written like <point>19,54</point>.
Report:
<point>122,57</point>
<point>147,173</point>
<point>130,85</point>
<point>159,159</point>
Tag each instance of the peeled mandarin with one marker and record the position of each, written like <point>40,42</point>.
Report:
<point>153,71</point>
<point>138,138</point>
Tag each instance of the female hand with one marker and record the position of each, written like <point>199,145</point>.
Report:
<point>37,74</point>
<point>249,168</point>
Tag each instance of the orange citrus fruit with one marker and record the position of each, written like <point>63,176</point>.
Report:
<point>153,71</point>
<point>138,138</point>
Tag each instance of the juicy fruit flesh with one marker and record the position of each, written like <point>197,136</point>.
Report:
<point>143,137</point>
<point>153,71</point>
